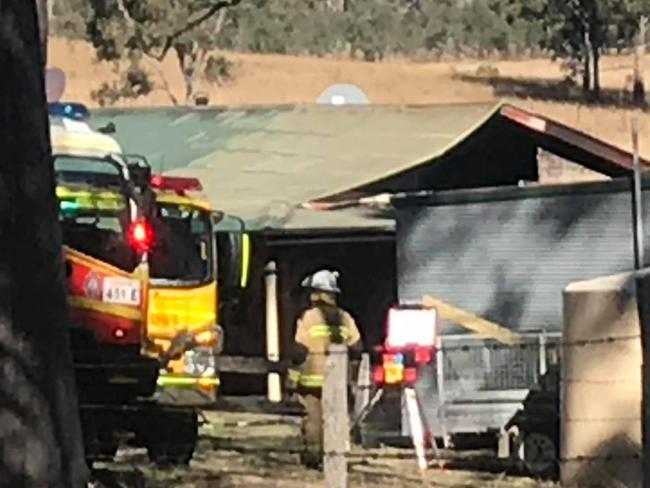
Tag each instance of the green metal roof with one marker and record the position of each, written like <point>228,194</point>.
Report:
<point>260,163</point>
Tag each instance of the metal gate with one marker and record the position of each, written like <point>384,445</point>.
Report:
<point>477,385</point>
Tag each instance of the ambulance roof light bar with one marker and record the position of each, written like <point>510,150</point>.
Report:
<point>68,110</point>
<point>178,184</point>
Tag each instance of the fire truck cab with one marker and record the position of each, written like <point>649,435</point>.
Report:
<point>106,234</point>
<point>182,320</point>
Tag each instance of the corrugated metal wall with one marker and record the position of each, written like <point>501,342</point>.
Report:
<point>509,259</point>
<point>505,255</point>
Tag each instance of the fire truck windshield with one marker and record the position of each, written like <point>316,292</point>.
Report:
<point>183,252</point>
<point>93,213</point>
<point>96,172</point>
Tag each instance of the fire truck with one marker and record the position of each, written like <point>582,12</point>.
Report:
<point>184,298</point>
<point>106,210</point>
<point>192,268</point>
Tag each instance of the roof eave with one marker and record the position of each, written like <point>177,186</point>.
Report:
<point>613,161</point>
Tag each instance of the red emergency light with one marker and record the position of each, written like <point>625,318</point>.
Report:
<point>411,339</point>
<point>179,184</point>
<point>395,368</point>
<point>141,236</point>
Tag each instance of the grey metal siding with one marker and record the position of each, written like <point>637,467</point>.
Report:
<point>509,260</point>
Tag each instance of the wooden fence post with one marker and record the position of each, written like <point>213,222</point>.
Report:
<point>335,417</point>
<point>362,395</point>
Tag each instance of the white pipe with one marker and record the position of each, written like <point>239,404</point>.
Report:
<point>272,332</point>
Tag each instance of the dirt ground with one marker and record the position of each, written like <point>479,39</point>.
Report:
<point>255,450</point>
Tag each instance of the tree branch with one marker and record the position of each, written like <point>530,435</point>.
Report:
<point>211,10</point>
<point>127,16</point>
<point>220,20</point>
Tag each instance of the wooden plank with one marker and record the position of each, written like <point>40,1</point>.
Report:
<point>480,326</point>
<point>335,417</point>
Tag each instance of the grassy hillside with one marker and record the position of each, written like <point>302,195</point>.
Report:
<point>275,79</point>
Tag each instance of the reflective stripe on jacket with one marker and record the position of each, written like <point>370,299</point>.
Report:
<point>325,331</point>
<point>316,337</point>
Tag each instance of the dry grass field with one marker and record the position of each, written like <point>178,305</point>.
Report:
<point>275,79</point>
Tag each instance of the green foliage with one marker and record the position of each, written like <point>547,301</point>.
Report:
<point>133,83</point>
<point>281,26</point>
<point>218,69</point>
<point>124,28</point>
<point>69,18</point>
<point>153,27</point>
<point>375,29</point>
<point>574,31</point>
<point>372,29</point>
<point>579,31</point>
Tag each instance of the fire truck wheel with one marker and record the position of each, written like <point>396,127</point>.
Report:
<point>99,443</point>
<point>539,454</point>
<point>173,440</point>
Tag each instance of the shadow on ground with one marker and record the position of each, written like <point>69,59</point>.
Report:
<point>551,91</point>
<point>251,451</point>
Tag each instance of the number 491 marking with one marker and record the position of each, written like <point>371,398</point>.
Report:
<point>123,291</point>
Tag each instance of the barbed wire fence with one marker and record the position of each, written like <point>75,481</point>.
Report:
<point>478,366</point>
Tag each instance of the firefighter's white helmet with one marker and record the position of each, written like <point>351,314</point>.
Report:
<point>323,280</point>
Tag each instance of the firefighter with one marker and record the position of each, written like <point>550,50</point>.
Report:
<point>321,324</point>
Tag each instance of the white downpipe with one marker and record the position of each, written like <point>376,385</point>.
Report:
<point>272,332</point>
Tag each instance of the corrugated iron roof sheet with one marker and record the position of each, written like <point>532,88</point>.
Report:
<point>260,163</point>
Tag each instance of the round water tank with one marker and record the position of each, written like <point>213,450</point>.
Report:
<point>343,94</point>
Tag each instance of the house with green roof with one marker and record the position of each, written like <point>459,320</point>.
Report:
<point>297,176</point>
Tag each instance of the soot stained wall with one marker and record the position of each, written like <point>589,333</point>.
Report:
<point>508,257</point>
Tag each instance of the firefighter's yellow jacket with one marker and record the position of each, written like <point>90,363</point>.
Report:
<point>315,335</point>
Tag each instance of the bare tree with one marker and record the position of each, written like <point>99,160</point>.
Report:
<point>40,436</point>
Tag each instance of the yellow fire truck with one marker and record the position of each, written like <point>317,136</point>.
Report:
<point>184,294</point>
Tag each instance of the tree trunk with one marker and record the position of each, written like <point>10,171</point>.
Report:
<point>638,88</point>
<point>586,70</point>
<point>596,64</point>
<point>189,87</point>
<point>187,55</point>
<point>595,44</point>
<point>43,13</point>
<point>40,435</point>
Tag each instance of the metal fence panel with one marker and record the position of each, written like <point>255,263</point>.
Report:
<point>477,385</point>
